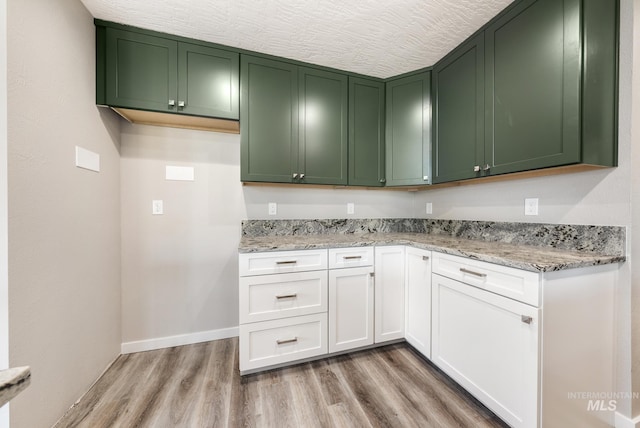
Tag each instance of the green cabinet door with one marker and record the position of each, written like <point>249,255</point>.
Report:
<point>533,85</point>
<point>141,71</point>
<point>366,132</point>
<point>458,113</point>
<point>323,127</point>
<point>408,130</point>
<point>269,120</point>
<point>208,81</point>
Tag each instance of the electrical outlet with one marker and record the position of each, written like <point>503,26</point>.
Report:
<point>273,208</point>
<point>429,208</point>
<point>351,208</point>
<point>531,206</point>
<point>157,207</point>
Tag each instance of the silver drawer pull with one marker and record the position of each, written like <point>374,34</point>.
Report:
<point>525,319</point>
<point>284,341</point>
<point>287,262</point>
<point>470,272</point>
<point>287,296</point>
<point>352,257</point>
<point>425,258</point>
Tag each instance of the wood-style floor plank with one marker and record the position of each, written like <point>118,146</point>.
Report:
<point>199,386</point>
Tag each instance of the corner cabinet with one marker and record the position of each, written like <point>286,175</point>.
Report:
<point>537,88</point>
<point>366,132</point>
<point>417,302</point>
<point>294,123</point>
<point>389,293</point>
<point>408,130</point>
<point>142,71</point>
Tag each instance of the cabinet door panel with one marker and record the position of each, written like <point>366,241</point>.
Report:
<point>458,82</point>
<point>408,130</point>
<point>323,127</point>
<point>366,132</point>
<point>350,308</point>
<point>418,300</point>
<point>141,71</point>
<point>269,125</point>
<point>481,341</point>
<point>389,286</point>
<point>208,81</point>
<point>533,87</point>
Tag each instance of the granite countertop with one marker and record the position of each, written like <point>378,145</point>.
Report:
<point>12,382</point>
<point>527,257</point>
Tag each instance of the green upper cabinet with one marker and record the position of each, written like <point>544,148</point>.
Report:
<point>269,125</point>
<point>458,113</point>
<point>533,87</point>
<point>147,72</point>
<point>546,71</point>
<point>408,130</point>
<point>366,132</point>
<point>208,81</point>
<point>323,140</point>
<point>294,123</point>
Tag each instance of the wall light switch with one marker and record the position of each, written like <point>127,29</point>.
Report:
<point>429,208</point>
<point>351,208</point>
<point>273,208</point>
<point>157,207</point>
<point>531,206</point>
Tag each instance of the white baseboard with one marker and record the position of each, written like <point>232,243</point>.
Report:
<point>624,422</point>
<point>179,340</point>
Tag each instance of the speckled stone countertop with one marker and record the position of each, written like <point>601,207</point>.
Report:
<point>605,244</point>
<point>12,382</point>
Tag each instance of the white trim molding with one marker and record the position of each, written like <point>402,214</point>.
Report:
<point>179,340</point>
<point>624,422</point>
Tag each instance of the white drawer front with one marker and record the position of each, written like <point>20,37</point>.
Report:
<point>350,257</point>
<point>282,262</point>
<point>514,283</point>
<point>270,297</point>
<point>279,341</point>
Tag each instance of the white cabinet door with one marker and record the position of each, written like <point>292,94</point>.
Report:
<point>350,308</point>
<point>418,300</point>
<point>389,286</point>
<point>489,345</point>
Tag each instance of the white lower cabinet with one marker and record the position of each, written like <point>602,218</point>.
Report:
<point>389,293</point>
<point>489,345</point>
<point>280,341</point>
<point>350,308</point>
<point>418,299</point>
<point>526,344</point>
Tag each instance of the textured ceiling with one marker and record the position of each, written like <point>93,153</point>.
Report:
<point>373,37</point>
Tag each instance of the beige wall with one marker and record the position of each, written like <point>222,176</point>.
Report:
<point>64,239</point>
<point>4,283</point>
<point>634,303</point>
<point>180,269</point>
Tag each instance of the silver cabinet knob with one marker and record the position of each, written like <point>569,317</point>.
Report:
<point>476,168</point>
<point>172,103</point>
<point>487,167</point>
<point>383,180</point>
<point>525,319</point>
<point>301,176</point>
<point>181,103</point>
<point>295,175</point>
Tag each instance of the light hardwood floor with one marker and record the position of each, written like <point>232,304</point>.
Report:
<point>200,386</point>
